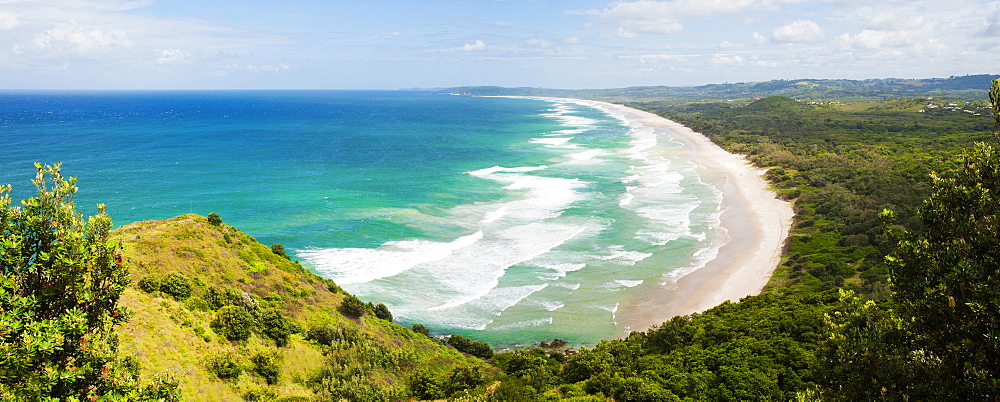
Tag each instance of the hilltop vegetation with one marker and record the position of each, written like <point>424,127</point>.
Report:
<point>231,318</point>
<point>970,87</point>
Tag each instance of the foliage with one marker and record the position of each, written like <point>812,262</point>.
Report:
<point>149,284</point>
<point>60,281</point>
<point>421,329</point>
<point>945,278</point>
<point>266,363</point>
<point>279,250</point>
<point>353,307</point>
<point>234,323</point>
<point>382,312</point>
<point>226,364</point>
<point>276,326</point>
<point>479,349</point>
<point>214,219</point>
<point>176,285</point>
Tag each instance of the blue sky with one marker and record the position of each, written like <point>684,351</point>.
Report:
<point>378,44</point>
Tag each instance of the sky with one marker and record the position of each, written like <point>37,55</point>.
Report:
<point>382,44</point>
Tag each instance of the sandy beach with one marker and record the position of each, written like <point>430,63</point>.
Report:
<point>756,221</point>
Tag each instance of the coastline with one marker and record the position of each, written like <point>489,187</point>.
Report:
<point>756,221</point>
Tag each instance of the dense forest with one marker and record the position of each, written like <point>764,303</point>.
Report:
<point>888,288</point>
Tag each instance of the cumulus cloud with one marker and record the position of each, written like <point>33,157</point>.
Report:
<point>8,21</point>
<point>538,42</point>
<point>572,39</point>
<point>668,17</point>
<point>799,31</point>
<point>471,47</point>
<point>171,56</point>
<point>82,40</point>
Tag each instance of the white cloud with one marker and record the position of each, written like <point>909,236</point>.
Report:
<point>471,47</point>
<point>668,17</point>
<point>8,21</point>
<point>572,39</point>
<point>759,39</point>
<point>538,42</point>
<point>170,56</point>
<point>82,40</point>
<point>727,59</point>
<point>799,31</point>
<point>871,39</point>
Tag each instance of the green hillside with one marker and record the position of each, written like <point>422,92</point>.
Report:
<point>367,357</point>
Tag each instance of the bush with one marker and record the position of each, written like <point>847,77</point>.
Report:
<point>475,348</point>
<point>426,387</point>
<point>214,219</point>
<point>276,326</point>
<point>225,365</point>
<point>176,285</point>
<point>327,333</point>
<point>421,329</point>
<point>266,364</point>
<point>463,378</point>
<point>195,303</point>
<point>234,323</point>
<point>279,250</point>
<point>352,307</point>
<point>149,284</point>
<point>382,312</point>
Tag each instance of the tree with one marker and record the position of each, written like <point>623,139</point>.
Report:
<point>995,98</point>
<point>947,278</point>
<point>60,281</point>
<point>352,307</point>
<point>235,323</point>
<point>214,219</point>
<point>279,249</point>
<point>382,312</point>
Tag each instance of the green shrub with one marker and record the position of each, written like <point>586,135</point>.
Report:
<point>195,303</point>
<point>149,284</point>
<point>382,312</point>
<point>176,285</point>
<point>266,364</point>
<point>424,386</point>
<point>234,323</point>
<point>327,333</point>
<point>465,345</point>
<point>225,365</point>
<point>279,250</point>
<point>352,307</point>
<point>276,326</point>
<point>214,219</point>
<point>421,329</point>
<point>260,394</point>
<point>463,378</point>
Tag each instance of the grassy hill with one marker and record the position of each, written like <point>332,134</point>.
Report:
<point>330,355</point>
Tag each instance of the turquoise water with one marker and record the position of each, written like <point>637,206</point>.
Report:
<point>508,220</point>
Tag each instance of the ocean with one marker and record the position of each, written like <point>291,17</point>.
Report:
<point>508,220</point>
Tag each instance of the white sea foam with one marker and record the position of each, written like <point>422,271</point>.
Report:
<point>623,283</point>
<point>359,265</point>
<point>525,324</point>
<point>619,255</point>
<point>586,155</point>
<point>552,141</point>
<point>499,169</point>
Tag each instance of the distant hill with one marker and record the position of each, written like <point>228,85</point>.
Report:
<point>970,87</point>
<point>331,356</point>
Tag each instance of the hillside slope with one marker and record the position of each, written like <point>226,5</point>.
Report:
<point>328,354</point>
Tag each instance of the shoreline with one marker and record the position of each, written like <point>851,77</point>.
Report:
<point>757,222</point>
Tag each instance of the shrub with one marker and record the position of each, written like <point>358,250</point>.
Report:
<point>426,387</point>
<point>214,219</point>
<point>463,378</point>
<point>475,348</point>
<point>149,284</point>
<point>279,250</point>
<point>176,285</point>
<point>327,333</point>
<point>234,323</point>
<point>195,303</point>
<point>225,365</point>
<point>382,312</point>
<point>260,394</point>
<point>276,326</point>
<point>421,329</point>
<point>266,364</point>
<point>352,307</point>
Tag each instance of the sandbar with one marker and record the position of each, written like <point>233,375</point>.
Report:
<point>756,221</point>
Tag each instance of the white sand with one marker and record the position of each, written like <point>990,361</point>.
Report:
<point>757,222</point>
